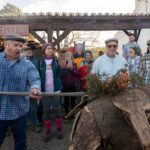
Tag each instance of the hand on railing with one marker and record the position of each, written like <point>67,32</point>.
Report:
<point>35,94</point>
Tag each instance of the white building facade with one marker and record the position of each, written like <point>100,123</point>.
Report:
<point>141,6</point>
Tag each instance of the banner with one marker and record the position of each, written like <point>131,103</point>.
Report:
<point>21,29</point>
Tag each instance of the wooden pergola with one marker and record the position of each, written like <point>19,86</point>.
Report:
<point>76,22</point>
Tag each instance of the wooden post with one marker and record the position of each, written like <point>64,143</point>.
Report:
<point>58,44</point>
<point>50,33</point>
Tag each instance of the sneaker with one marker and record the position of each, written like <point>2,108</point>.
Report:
<point>59,134</point>
<point>36,129</point>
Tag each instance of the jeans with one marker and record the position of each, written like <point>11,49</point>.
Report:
<point>18,128</point>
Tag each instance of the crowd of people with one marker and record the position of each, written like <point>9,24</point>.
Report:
<point>21,71</point>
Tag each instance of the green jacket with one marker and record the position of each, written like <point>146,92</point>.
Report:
<point>34,61</point>
<point>57,73</point>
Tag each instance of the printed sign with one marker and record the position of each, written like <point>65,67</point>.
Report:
<point>79,47</point>
<point>14,29</point>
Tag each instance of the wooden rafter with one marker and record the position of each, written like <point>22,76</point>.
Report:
<point>37,36</point>
<point>136,32</point>
<point>126,32</point>
<point>62,36</point>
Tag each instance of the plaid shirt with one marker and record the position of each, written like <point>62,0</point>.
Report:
<point>144,68</point>
<point>16,76</point>
<point>133,64</point>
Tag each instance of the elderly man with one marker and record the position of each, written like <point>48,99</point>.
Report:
<point>17,73</point>
<point>110,63</point>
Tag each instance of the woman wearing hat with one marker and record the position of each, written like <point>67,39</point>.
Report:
<point>85,68</point>
<point>133,60</point>
<point>50,73</point>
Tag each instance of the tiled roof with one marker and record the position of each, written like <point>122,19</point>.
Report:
<point>71,14</point>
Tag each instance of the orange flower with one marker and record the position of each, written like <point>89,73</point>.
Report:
<point>123,80</point>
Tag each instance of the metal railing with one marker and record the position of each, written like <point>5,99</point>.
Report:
<point>43,93</point>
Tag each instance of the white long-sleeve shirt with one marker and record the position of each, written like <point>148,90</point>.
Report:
<point>105,65</point>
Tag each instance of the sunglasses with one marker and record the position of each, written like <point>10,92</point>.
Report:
<point>112,46</point>
<point>131,52</point>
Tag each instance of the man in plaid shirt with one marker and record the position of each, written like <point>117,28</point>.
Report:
<point>144,69</point>
<point>16,75</point>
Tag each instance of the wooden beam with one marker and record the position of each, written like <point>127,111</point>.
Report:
<point>62,36</point>
<point>37,36</point>
<point>54,38</point>
<point>126,32</point>
<point>81,22</point>
<point>137,34</point>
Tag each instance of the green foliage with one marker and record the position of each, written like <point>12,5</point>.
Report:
<point>136,80</point>
<point>10,9</point>
<point>103,85</point>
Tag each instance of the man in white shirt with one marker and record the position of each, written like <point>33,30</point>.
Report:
<point>110,63</point>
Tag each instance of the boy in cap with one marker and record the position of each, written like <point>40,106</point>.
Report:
<point>17,73</point>
<point>131,43</point>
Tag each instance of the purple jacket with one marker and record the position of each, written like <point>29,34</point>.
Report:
<point>70,79</point>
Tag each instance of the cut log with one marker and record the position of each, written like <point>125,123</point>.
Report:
<point>134,103</point>
<point>101,125</point>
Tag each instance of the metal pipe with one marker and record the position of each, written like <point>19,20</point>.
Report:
<point>43,93</point>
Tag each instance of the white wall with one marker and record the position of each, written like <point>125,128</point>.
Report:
<point>140,7</point>
<point>122,38</point>
<point>143,38</point>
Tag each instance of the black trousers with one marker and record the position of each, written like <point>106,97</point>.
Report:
<point>69,102</point>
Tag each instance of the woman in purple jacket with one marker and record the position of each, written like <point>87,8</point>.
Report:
<point>69,81</point>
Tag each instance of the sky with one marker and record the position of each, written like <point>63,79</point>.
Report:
<point>97,6</point>
<point>89,6</point>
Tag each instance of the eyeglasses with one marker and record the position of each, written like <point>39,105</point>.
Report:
<point>112,46</point>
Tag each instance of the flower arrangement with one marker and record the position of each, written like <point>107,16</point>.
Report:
<point>97,86</point>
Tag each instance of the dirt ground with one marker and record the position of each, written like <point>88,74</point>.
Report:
<point>35,140</point>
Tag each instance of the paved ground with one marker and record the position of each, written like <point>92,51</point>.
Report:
<point>35,140</point>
